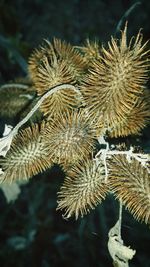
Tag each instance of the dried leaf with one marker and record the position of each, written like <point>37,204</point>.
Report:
<point>118,251</point>
<point>6,140</point>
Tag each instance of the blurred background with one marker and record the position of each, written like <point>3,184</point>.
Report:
<point>32,232</point>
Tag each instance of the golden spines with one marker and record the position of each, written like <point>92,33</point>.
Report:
<point>73,58</point>
<point>116,80</point>
<point>135,120</point>
<point>70,137</point>
<point>83,189</point>
<point>54,64</point>
<point>130,182</point>
<point>60,102</point>
<point>27,156</point>
<point>91,51</point>
<point>89,94</point>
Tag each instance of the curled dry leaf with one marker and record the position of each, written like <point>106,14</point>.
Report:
<point>6,140</point>
<point>118,251</point>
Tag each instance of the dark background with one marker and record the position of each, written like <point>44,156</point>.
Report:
<point>32,232</point>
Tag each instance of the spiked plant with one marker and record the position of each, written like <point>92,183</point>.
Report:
<point>70,138</point>
<point>54,64</point>
<point>86,94</point>
<point>91,51</point>
<point>116,81</point>
<point>135,120</point>
<point>83,188</point>
<point>131,185</point>
<point>27,156</point>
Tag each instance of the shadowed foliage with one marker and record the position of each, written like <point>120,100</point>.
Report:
<point>14,98</point>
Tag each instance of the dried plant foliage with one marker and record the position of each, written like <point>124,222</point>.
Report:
<point>70,137</point>
<point>116,81</point>
<point>86,93</point>
<point>14,98</point>
<point>120,253</point>
<point>27,156</point>
<point>83,189</point>
<point>136,120</point>
<point>130,182</point>
<point>54,64</point>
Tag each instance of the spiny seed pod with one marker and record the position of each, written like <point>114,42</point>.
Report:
<point>54,64</point>
<point>14,98</point>
<point>130,182</point>
<point>116,81</point>
<point>136,120</point>
<point>27,156</point>
<point>70,138</point>
<point>83,189</point>
<point>60,102</point>
<point>91,51</point>
<point>72,57</point>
